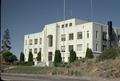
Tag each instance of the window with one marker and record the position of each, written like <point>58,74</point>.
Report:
<point>40,40</point>
<point>30,50</point>
<point>63,26</point>
<point>79,47</point>
<point>71,37</point>
<point>104,36</point>
<point>79,35</point>
<point>87,45</point>
<point>35,41</point>
<point>49,56</point>
<point>70,47</point>
<point>104,47</point>
<point>70,24</point>
<point>96,47</point>
<point>63,37</point>
<point>50,42</point>
<point>30,42</point>
<point>25,42</point>
<point>66,25</point>
<point>35,50</point>
<point>87,34</point>
<point>62,48</point>
<point>96,34</point>
<point>40,49</point>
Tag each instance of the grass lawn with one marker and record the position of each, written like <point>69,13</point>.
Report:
<point>28,69</point>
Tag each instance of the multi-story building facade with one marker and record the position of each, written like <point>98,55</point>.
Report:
<point>70,34</point>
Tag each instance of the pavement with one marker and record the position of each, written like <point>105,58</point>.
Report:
<point>38,77</point>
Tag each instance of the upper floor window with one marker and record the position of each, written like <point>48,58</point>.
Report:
<point>62,48</point>
<point>50,40</point>
<point>40,49</point>
<point>87,34</point>
<point>96,34</point>
<point>66,25</point>
<point>70,24</point>
<point>40,40</point>
<point>104,36</point>
<point>63,26</point>
<point>79,35</point>
<point>63,37</point>
<point>79,47</point>
<point>35,50</point>
<point>36,41</point>
<point>30,42</point>
<point>70,47</point>
<point>71,36</point>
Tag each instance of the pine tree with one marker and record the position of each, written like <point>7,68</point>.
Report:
<point>89,53</point>
<point>72,56</point>
<point>22,58</point>
<point>39,56</point>
<point>6,41</point>
<point>30,58</point>
<point>57,58</point>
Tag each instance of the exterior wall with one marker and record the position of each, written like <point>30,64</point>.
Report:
<point>92,37</point>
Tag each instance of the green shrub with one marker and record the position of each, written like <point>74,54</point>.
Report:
<point>57,58</point>
<point>89,53</point>
<point>72,56</point>
<point>111,53</point>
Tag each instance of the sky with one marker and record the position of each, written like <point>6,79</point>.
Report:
<point>29,16</point>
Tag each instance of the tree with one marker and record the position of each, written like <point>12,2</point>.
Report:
<point>72,56</point>
<point>89,53</point>
<point>9,57</point>
<point>30,59</point>
<point>6,41</point>
<point>57,58</point>
<point>39,56</point>
<point>22,57</point>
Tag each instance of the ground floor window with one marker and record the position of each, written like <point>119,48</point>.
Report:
<point>49,56</point>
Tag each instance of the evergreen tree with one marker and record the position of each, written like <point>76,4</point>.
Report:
<point>22,57</point>
<point>72,56</point>
<point>9,57</point>
<point>57,58</point>
<point>30,58</point>
<point>39,56</point>
<point>89,53</point>
<point>6,41</point>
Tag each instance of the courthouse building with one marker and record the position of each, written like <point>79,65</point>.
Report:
<point>70,34</point>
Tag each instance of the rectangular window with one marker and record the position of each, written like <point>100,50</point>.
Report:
<point>62,48</point>
<point>66,25</point>
<point>79,35</point>
<point>35,50</point>
<point>96,47</point>
<point>96,34</point>
<point>40,49</point>
<point>70,47</point>
<point>30,50</point>
<point>40,40</point>
<point>71,36</point>
<point>104,36</point>
<point>79,47</point>
<point>49,56</point>
<point>87,45</point>
<point>63,26</point>
<point>87,34</point>
<point>30,42</point>
<point>35,41</point>
<point>63,37</point>
<point>25,42</point>
<point>70,24</point>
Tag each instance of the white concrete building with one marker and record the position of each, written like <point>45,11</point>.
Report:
<point>70,34</point>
